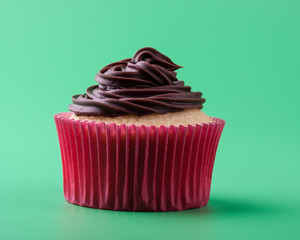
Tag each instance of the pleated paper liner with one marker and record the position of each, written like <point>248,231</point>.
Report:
<point>137,168</point>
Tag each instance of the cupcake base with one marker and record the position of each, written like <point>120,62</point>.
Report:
<point>137,168</point>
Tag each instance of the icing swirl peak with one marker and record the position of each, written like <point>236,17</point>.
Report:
<point>141,85</point>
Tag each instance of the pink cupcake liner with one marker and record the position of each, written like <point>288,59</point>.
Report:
<point>137,168</point>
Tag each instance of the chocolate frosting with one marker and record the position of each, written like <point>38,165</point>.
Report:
<point>140,85</point>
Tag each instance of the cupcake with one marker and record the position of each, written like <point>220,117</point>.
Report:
<point>138,140</point>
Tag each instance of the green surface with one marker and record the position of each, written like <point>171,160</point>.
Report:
<point>243,55</point>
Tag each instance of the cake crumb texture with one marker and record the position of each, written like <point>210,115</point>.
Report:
<point>185,118</point>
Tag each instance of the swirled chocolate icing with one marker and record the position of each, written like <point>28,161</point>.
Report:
<point>140,85</point>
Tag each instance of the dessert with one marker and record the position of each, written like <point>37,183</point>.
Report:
<point>137,140</point>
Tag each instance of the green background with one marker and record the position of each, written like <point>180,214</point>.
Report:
<point>243,56</point>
